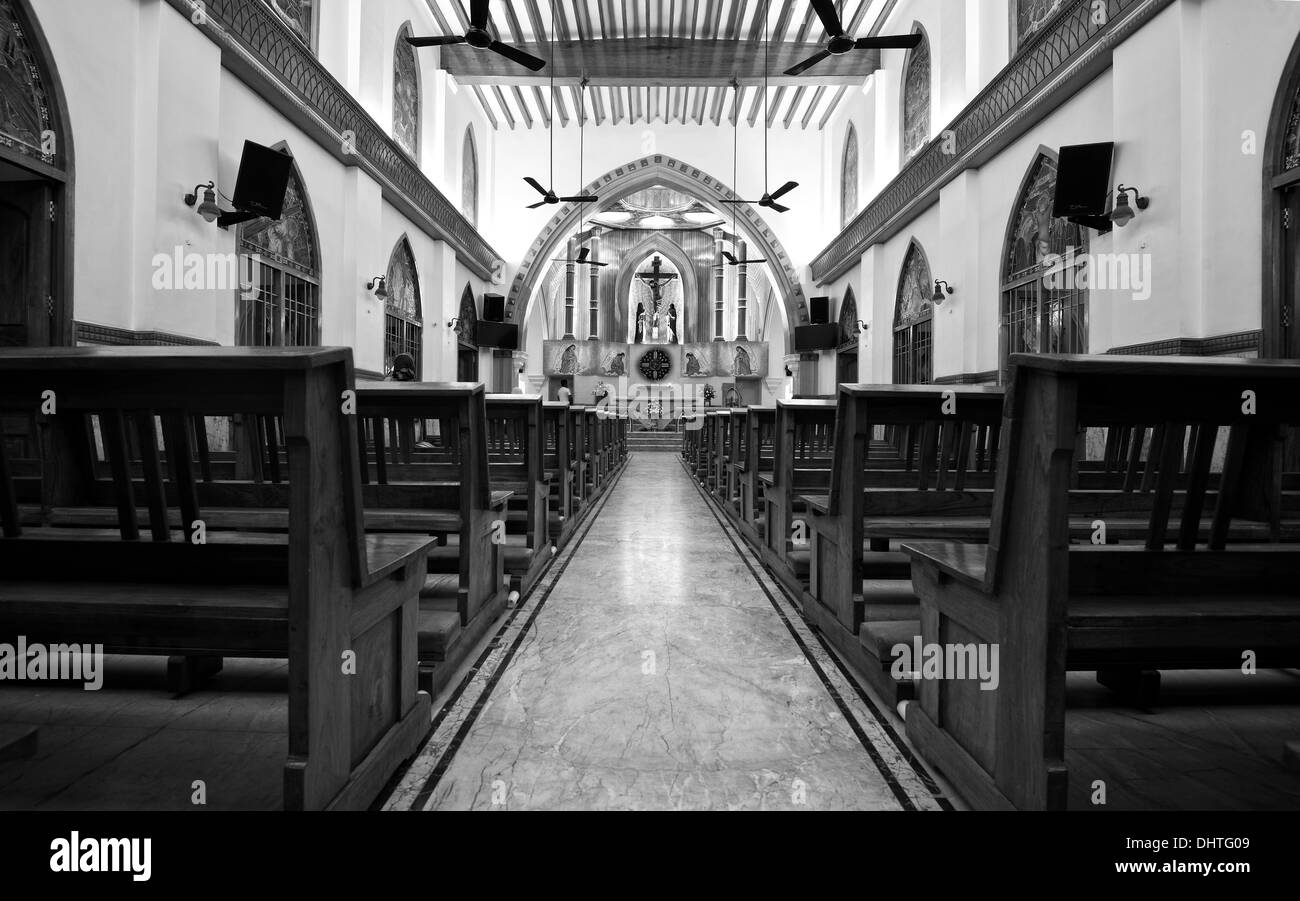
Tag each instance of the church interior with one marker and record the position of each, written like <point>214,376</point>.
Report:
<point>671,405</point>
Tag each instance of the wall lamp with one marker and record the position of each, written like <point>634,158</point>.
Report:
<point>452,324</point>
<point>939,287</point>
<point>1123,214</point>
<point>211,211</point>
<point>208,209</point>
<point>862,326</point>
<point>378,284</point>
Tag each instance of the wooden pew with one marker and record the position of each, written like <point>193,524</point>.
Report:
<point>442,488</point>
<point>859,590</point>
<point>560,457</point>
<point>1195,596</point>
<point>801,465</point>
<point>515,464</point>
<point>760,443</point>
<point>729,483</point>
<point>310,592</point>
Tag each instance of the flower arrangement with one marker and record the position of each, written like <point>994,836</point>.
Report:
<point>709,394</point>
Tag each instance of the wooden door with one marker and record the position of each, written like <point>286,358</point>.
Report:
<point>26,265</point>
<point>466,365</point>
<point>1289,315</point>
<point>846,367</point>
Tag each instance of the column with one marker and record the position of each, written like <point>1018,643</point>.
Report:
<point>718,270</point>
<point>792,366</point>
<point>519,360</point>
<point>569,284</point>
<point>742,288</point>
<point>593,330</point>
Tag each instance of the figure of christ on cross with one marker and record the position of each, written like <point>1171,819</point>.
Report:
<point>655,279</point>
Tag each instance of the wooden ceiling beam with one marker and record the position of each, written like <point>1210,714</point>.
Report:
<point>486,107</point>
<point>812,105</point>
<point>505,107</point>
<point>830,109</point>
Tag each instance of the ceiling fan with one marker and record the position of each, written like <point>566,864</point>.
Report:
<point>769,198</point>
<point>840,42</point>
<point>478,38</point>
<point>548,194</point>
<point>581,259</point>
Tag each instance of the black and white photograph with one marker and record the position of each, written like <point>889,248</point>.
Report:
<point>651,406</point>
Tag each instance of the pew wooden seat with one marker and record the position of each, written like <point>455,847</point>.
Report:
<point>1196,598</point>
<point>318,588</point>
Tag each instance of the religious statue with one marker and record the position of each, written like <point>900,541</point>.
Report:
<point>742,365</point>
<point>672,323</point>
<point>640,323</point>
<point>654,279</point>
<point>692,365</point>
<point>569,361</point>
<point>615,364</point>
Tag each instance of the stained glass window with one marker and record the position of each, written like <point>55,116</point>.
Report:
<point>280,304</point>
<point>849,178</point>
<point>403,318</point>
<point>469,179</point>
<point>916,99</point>
<point>24,101</point>
<point>1031,15</point>
<point>1291,137</point>
<point>848,318</point>
<point>300,16</point>
<point>406,96</point>
<point>913,318</point>
<point>467,319</point>
<point>1044,299</point>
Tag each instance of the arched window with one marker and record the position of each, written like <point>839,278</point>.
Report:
<point>1280,332</point>
<point>300,16</point>
<point>1028,16</point>
<point>467,319</point>
<point>406,95</point>
<point>282,305</point>
<point>913,320</point>
<point>1044,308</point>
<point>849,178</point>
<point>849,320</point>
<point>403,317</point>
<point>469,179</point>
<point>916,97</point>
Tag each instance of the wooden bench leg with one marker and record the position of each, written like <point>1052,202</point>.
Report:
<point>1142,686</point>
<point>186,673</point>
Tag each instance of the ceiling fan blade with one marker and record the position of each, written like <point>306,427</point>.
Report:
<point>889,42</point>
<point>533,206</point>
<point>537,187</point>
<point>581,198</point>
<point>784,189</point>
<point>800,68</point>
<point>527,60</point>
<point>583,254</point>
<point>830,18</point>
<point>602,265</point>
<point>439,41</point>
<point>739,201</point>
<point>755,262</point>
<point>773,205</point>
<point>478,13</point>
<point>730,257</point>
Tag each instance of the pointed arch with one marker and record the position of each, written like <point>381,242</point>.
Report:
<point>849,319</point>
<point>283,307</point>
<point>1278,337</point>
<point>917,87</point>
<point>635,256</point>
<point>403,309</point>
<point>914,319</point>
<point>1044,310</point>
<point>406,95</point>
<point>849,177</point>
<point>36,136</point>
<point>649,171</point>
<point>467,318</point>
<point>469,177</point>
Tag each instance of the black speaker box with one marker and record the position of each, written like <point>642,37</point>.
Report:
<point>494,307</point>
<point>497,334</point>
<point>816,337</point>
<point>819,310</point>
<point>1083,183</point>
<point>262,181</point>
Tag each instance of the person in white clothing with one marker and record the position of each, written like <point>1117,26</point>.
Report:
<point>564,394</point>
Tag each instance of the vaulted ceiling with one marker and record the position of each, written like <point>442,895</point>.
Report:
<point>670,61</point>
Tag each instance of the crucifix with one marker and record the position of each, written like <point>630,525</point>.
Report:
<point>655,279</point>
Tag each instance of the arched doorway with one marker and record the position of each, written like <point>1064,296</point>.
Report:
<point>1281,285</point>
<point>914,321</point>
<point>403,311</point>
<point>35,188</point>
<point>846,356</point>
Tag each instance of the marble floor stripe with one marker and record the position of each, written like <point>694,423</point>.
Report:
<point>654,667</point>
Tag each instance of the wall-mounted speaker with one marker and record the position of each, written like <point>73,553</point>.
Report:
<point>1083,184</point>
<point>263,178</point>
<point>494,307</point>
<point>497,334</point>
<point>809,338</point>
<point>819,310</point>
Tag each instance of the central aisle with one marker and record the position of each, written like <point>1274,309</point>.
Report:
<point>657,666</point>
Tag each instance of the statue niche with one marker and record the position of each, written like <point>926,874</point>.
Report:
<point>656,292</point>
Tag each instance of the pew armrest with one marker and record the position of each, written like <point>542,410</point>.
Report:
<point>817,503</point>
<point>499,499</point>
<point>964,563</point>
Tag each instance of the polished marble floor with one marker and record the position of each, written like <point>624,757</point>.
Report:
<point>657,667</point>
